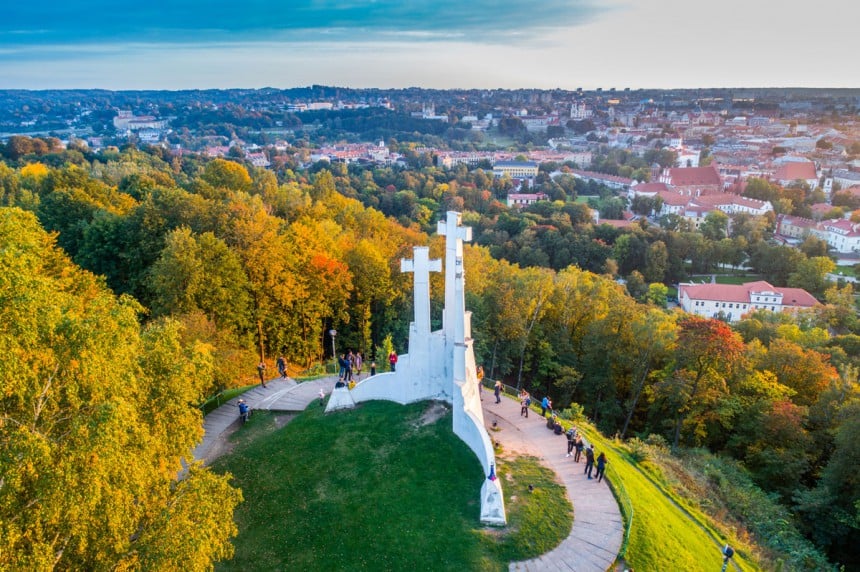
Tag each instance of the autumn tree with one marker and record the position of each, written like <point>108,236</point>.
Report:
<point>705,351</point>
<point>95,417</point>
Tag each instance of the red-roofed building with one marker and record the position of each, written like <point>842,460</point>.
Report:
<point>792,171</point>
<point>732,301</point>
<point>694,181</point>
<point>525,199</point>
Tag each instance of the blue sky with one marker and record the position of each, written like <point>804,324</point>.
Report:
<point>438,43</point>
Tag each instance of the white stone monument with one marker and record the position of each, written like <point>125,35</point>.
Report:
<point>439,365</point>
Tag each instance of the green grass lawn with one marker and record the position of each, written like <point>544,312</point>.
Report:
<point>667,533</point>
<point>740,279</point>
<point>377,488</point>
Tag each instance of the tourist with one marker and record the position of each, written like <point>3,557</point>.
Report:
<point>589,460</point>
<point>392,360</point>
<point>372,368</point>
<point>261,371</point>
<point>601,466</point>
<point>578,447</point>
<point>282,366</point>
<point>343,364</point>
<point>571,440</point>
<point>358,363</point>
<point>479,372</point>
<point>544,404</point>
<point>322,397</point>
<point>350,364</point>
<point>498,391</point>
<point>244,411</point>
<point>525,401</point>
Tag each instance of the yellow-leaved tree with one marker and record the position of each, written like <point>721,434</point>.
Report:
<point>95,417</point>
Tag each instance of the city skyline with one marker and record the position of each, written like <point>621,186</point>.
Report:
<point>443,44</point>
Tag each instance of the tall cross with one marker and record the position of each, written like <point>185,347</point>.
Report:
<point>454,234</point>
<point>421,266</point>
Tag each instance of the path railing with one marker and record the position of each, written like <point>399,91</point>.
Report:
<point>626,506</point>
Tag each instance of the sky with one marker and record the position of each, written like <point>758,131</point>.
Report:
<point>191,44</point>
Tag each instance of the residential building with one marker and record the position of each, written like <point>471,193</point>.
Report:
<point>693,181</point>
<point>732,301</point>
<point>792,171</point>
<point>525,199</point>
<point>516,169</point>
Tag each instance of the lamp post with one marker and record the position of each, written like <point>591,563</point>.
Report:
<point>333,333</point>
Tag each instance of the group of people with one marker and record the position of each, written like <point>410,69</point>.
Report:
<point>576,446</point>
<point>350,365</point>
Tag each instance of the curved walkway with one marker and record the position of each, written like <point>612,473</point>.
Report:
<point>281,394</point>
<point>598,529</point>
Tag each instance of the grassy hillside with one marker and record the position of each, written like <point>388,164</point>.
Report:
<point>382,487</point>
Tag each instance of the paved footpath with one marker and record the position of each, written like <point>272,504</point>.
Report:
<point>598,529</point>
<point>281,394</point>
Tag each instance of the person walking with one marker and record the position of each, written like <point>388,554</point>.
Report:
<point>571,440</point>
<point>282,366</point>
<point>578,447</point>
<point>479,373</point>
<point>261,371</point>
<point>525,401</point>
<point>322,397</point>
<point>544,404</point>
<point>497,390</point>
<point>372,368</point>
<point>601,466</point>
<point>392,360</point>
<point>589,460</point>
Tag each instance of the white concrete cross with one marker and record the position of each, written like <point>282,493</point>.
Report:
<point>421,266</point>
<point>454,234</point>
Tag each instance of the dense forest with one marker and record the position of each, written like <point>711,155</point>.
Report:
<point>159,269</point>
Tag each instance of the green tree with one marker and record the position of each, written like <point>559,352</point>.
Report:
<point>811,275</point>
<point>715,226</point>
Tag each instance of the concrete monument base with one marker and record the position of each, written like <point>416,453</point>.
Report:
<point>440,365</point>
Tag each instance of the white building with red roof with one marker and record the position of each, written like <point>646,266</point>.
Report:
<point>696,180</point>
<point>791,171</point>
<point>525,199</point>
<point>732,301</point>
<point>841,235</point>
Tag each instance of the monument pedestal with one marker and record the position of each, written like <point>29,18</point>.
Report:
<point>340,398</point>
<point>492,503</point>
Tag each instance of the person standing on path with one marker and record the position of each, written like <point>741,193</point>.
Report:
<point>571,440</point>
<point>479,373</point>
<point>498,391</point>
<point>372,368</point>
<point>392,360</point>
<point>579,446</point>
<point>261,371</point>
<point>525,401</point>
<point>282,366</point>
<point>358,363</point>
<point>601,466</point>
<point>589,460</point>
<point>544,404</point>
<point>322,397</point>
